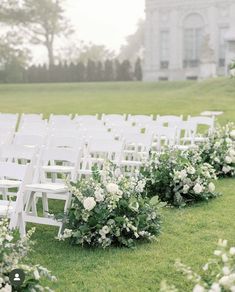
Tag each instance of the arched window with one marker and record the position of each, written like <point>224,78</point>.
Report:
<point>193,35</point>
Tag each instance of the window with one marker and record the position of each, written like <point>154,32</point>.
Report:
<point>164,49</point>
<point>193,36</point>
<point>222,46</point>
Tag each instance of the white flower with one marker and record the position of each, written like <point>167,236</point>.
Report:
<point>89,203</point>
<point>224,258</point>
<point>185,189</point>
<point>183,174</point>
<point>232,134</point>
<point>99,197</point>
<point>7,288</point>
<point>228,159</point>
<point>198,288</point>
<point>231,152</point>
<point>205,268</point>
<point>9,237</point>
<point>226,169</point>
<point>211,187</point>
<point>105,229</point>
<point>217,160</point>
<point>228,140</point>
<point>67,233</point>
<point>215,288</point>
<point>217,253</point>
<point>226,271</point>
<point>223,243</point>
<point>191,170</point>
<point>36,275</point>
<point>112,188</point>
<point>198,188</point>
<point>232,251</point>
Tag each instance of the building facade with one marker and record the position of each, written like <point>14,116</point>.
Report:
<point>186,39</point>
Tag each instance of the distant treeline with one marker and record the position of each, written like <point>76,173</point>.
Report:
<point>110,70</point>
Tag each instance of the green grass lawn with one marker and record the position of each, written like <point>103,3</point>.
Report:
<point>190,234</point>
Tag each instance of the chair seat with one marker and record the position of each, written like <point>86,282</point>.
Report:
<point>58,169</point>
<point>6,207</point>
<point>47,188</point>
<point>7,183</point>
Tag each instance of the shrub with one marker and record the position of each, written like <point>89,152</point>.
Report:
<point>219,151</point>
<point>179,178</point>
<point>108,209</point>
<point>218,275</point>
<point>13,255</point>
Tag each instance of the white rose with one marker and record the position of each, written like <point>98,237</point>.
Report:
<point>99,197</point>
<point>183,174</point>
<point>226,271</point>
<point>217,160</point>
<point>231,152</point>
<point>198,188</point>
<point>105,229</point>
<point>211,187</point>
<point>89,203</point>
<point>112,188</point>
<point>7,288</point>
<point>228,159</point>
<point>191,170</point>
<point>215,288</point>
<point>232,134</point>
<point>217,144</point>
<point>232,251</point>
<point>228,140</point>
<point>226,169</point>
<point>198,288</point>
<point>185,189</point>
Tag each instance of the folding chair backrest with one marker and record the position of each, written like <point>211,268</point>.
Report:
<point>206,121</point>
<point>55,154</point>
<point>140,119</point>
<point>31,118</point>
<point>171,121</point>
<point>29,139</point>
<point>85,119</point>
<point>65,141</point>
<point>59,119</point>
<point>13,153</point>
<point>11,170</point>
<point>115,118</point>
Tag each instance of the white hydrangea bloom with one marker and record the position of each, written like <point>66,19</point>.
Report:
<point>112,188</point>
<point>89,203</point>
<point>198,188</point>
<point>211,187</point>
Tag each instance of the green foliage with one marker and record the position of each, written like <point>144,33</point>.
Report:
<point>108,209</point>
<point>219,150</point>
<point>179,178</point>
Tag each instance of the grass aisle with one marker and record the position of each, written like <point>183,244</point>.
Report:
<point>189,234</point>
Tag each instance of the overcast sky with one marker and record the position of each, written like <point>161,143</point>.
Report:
<point>102,22</point>
<point>105,21</point>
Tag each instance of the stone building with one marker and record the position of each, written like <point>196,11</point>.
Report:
<point>188,39</point>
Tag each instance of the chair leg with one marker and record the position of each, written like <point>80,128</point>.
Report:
<point>45,205</point>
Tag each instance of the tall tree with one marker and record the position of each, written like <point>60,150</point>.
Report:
<point>138,74</point>
<point>44,22</point>
<point>134,44</point>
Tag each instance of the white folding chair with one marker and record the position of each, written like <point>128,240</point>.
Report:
<point>10,119</point>
<point>140,120</point>
<point>13,209</point>
<point>208,122</point>
<point>54,161</point>
<point>30,118</point>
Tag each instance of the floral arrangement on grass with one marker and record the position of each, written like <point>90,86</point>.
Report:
<point>219,150</point>
<point>13,255</point>
<point>218,275</point>
<point>109,209</point>
<point>179,178</point>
